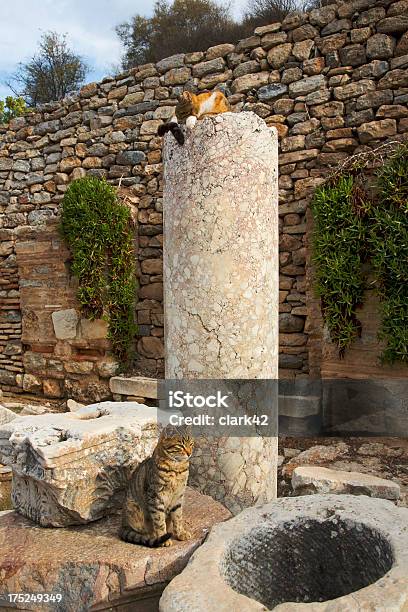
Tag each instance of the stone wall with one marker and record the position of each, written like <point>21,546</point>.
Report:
<point>333,82</point>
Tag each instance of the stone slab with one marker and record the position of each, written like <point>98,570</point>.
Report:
<point>312,479</point>
<point>6,415</point>
<point>90,566</point>
<point>299,406</point>
<point>70,468</point>
<point>138,386</point>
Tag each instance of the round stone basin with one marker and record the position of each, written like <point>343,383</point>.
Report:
<point>311,553</point>
<point>306,561</point>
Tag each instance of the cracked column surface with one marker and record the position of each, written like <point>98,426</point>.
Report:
<point>221,284</point>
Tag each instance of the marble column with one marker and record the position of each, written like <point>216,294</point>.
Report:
<point>221,283</point>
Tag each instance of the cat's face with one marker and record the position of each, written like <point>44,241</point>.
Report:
<point>177,443</point>
<point>186,97</point>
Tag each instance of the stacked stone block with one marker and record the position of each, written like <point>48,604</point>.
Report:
<point>333,82</point>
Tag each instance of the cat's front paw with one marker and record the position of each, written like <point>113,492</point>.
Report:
<point>166,543</point>
<point>191,121</point>
<point>183,535</point>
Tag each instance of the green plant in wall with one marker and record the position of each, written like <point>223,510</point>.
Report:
<point>389,253</point>
<point>99,232</point>
<point>338,256</point>
<point>352,228</point>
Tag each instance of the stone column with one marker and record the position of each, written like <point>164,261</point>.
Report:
<point>221,283</point>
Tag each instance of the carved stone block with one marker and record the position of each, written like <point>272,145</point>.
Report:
<point>72,468</point>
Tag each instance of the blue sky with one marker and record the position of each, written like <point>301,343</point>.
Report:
<point>89,25</point>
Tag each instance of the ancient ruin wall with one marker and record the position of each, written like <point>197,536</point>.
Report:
<point>333,82</point>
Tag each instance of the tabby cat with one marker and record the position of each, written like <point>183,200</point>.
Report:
<point>192,107</point>
<point>153,510</point>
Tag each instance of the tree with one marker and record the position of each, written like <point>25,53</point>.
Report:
<point>264,12</point>
<point>54,72</point>
<point>10,108</point>
<point>180,27</point>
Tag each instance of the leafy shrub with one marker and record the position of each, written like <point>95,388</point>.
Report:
<point>10,108</point>
<point>389,253</point>
<point>350,228</point>
<point>338,254</point>
<point>98,229</point>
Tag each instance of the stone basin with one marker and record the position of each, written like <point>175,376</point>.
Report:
<point>311,554</point>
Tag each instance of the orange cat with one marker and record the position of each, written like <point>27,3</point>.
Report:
<point>192,107</point>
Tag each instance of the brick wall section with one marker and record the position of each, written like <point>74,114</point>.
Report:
<point>333,82</point>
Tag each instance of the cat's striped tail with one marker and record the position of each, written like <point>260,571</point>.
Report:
<point>174,128</point>
<point>134,537</point>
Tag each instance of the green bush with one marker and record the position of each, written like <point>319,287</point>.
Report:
<point>351,228</point>
<point>10,108</point>
<point>389,253</point>
<point>339,235</point>
<point>99,231</point>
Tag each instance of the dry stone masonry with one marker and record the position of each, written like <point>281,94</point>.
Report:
<point>333,82</point>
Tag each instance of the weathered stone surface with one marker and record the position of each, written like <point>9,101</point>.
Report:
<point>376,129</point>
<point>309,480</point>
<point>302,50</point>
<point>31,383</point>
<point>322,16</point>
<point>331,43</point>
<point>77,461</point>
<point>6,416</point>
<point>203,68</point>
<point>375,69</point>
<point>272,39</point>
<point>65,323</point>
<point>219,51</point>
<point>353,55</point>
<point>316,455</point>
<point>304,32</point>
<point>352,90</point>
<point>139,386</point>
<point>305,532</point>
<point>279,55</point>
<point>272,91</point>
<point>380,46</point>
<point>92,567</point>
<point>199,344</point>
<point>174,61</point>
<point>94,330</point>
<point>290,75</point>
<point>151,347</point>
<point>307,85</point>
<point>177,76</point>
<point>393,25</point>
<point>393,79</point>
<point>249,81</point>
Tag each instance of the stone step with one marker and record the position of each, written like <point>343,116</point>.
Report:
<point>138,386</point>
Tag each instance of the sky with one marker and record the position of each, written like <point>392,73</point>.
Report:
<point>89,25</point>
